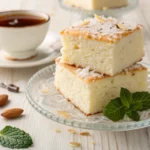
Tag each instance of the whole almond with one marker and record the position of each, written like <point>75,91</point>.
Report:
<point>12,113</point>
<point>3,99</point>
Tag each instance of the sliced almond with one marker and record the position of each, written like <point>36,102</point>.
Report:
<point>121,26</point>
<point>72,131</point>
<point>99,18</point>
<point>75,144</point>
<point>85,22</point>
<point>85,133</point>
<point>12,113</point>
<point>64,114</point>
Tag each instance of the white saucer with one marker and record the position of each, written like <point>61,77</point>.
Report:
<point>47,52</point>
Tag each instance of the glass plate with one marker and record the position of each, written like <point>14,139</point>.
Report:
<point>45,99</point>
<point>132,4</point>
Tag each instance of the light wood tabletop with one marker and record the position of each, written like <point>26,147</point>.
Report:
<point>41,129</point>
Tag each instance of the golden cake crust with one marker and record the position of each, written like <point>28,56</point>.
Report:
<point>91,78</point>
<point>102,29</point>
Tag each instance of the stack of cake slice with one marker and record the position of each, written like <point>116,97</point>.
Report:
<point>99,56</point>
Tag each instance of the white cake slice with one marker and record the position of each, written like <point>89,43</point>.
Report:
<point>90,92</point>
<point>104,44</point>
<point>97,4</point>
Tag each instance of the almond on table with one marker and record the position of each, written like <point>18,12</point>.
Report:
<point>12,113</point>
<point>85,133</point>
<point>3,99</point>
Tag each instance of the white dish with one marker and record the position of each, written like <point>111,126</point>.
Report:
<point>47,52</point>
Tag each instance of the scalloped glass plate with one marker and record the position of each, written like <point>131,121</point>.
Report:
<point>132,4</point>
<point>45,99</point>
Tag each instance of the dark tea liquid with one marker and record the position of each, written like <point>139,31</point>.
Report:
<point>20,20</point>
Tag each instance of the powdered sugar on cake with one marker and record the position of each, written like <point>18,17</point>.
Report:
<point>105,28</point>
<point>86,73</point>
<point>135,66</point>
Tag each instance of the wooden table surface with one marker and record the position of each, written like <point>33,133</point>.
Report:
<point>40,128</point>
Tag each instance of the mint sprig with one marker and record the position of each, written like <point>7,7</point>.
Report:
<point>127,104</point>
<point>12,137</point>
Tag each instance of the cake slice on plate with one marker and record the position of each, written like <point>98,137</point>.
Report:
<point>106,45</point>
<point>97,4</point>
<point>90,91</point>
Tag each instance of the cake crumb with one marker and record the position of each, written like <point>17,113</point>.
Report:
<point>75,144</point>
<point>64,114</point>
<point>93,142</point>
<point>45,91</point>
<point>85,133</point>
<point>72,131</point>
<point>57,131</point>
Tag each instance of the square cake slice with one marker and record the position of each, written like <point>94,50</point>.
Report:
<point>90,92</point>
<point>97,4</point>
<point>104,44</point>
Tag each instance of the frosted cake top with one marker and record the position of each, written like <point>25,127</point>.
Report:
<point>101,28</point>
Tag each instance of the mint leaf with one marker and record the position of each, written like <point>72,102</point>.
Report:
<point>126,97</point>
<point>141,98</point>
<point>115,110</point>
<point>136,106</point>
<point>134,115</point>
<point>15,138</point>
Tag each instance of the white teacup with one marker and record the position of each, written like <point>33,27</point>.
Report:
<point>19,43</point>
